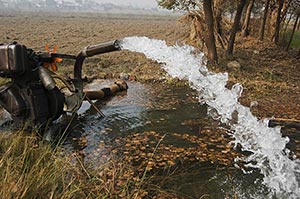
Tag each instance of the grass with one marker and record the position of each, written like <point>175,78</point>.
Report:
<point>296,40</point>
<point>30,168</point>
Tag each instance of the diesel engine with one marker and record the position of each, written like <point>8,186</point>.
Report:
<point>31,94</point>
<point>26,96</point>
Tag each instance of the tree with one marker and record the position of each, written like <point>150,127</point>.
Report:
<point>235,27</point>
<point>219,6</point>
<point>205,24</point>
<point>245,29</point>
<point>263,21</point>
<point>295,13</point>
<point>177,4</point>
<point>293,32</point>
<point>209,37</point>
<point>278,21</point>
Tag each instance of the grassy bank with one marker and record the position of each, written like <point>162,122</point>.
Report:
<point>33,169</point>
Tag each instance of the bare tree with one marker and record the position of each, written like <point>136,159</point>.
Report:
<point>245,28</point>
<point>278,21</point>
<point>293,32</point>
<point>263,22</point>
<point>209,37</point>
<point>235,27</point>
<point>219,11</point>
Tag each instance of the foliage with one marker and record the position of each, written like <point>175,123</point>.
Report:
<point>177,4</point>
<point>223,10</point>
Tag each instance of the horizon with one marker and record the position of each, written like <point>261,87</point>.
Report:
<point>149,4</point>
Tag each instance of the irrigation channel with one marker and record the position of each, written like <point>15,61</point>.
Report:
<point>197,144</point>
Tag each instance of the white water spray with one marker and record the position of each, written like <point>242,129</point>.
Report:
<point>269,155</point>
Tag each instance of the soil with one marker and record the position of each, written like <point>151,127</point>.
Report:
<point>270,76</point>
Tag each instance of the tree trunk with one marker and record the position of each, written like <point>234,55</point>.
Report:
<point>235,27</point>
<point>219,9</point>
<point>285,8</point>
<point>245,29</point>
<point>263,22</point>
<point>209,36</point>
<point>219,30</point>
<point>277,25</point>
<point>293,31</point>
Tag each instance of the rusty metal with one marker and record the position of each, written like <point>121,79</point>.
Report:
<point>118,86</point>
<point>94,106</point>
<point>90,51</point>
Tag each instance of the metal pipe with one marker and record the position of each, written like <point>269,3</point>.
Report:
<point>78,66</point>
<point>118,86</point>
<point>90,51</point>
<point>46,78</point>
<point>97,49</point>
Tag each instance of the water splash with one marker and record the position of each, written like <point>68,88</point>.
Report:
<point>268,147</point>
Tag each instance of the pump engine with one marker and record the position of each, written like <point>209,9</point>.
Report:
<point>25,97</point>
<point>31,95</point>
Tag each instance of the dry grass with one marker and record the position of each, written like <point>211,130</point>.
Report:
<point>33,169</point>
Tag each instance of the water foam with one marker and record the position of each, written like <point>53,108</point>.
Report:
<point>268,147</point>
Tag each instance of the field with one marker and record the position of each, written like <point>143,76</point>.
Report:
<point>72,33</point>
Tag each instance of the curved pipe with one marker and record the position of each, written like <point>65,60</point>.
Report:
<point>90,51</point>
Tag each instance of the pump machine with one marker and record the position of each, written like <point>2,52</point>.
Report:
<point>31,94</point>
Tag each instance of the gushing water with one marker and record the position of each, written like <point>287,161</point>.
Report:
<point>268,147</point>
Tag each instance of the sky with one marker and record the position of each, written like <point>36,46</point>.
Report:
<point>139,3</point>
